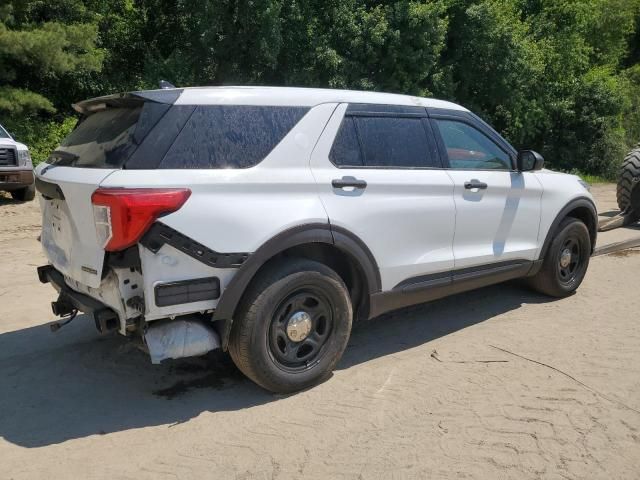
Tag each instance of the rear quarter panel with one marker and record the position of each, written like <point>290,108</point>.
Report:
<point>231,210</point>
<point>237,210</point>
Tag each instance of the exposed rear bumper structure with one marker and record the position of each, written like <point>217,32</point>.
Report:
<point>186,337</point>
<point>69,300</point>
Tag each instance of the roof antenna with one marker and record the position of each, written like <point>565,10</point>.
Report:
<point>164,84</point>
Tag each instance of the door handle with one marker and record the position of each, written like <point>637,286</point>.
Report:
<point>472,184</point>
<point>348,182</point>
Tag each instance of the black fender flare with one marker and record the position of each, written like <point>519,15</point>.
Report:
<point>580,202</point>
<point>346,241</point>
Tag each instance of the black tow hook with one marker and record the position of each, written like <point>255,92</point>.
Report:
<point>62,308</point>
<point>54,327</point>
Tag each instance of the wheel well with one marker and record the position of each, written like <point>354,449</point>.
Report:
<point>585,215</point>
<point>339,261</point>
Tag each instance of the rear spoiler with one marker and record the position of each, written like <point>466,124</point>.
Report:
<point>167,96</point>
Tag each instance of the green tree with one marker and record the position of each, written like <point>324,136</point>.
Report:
<point>560,76</point>
<point>497,66</point>
<point>34,57</point>
<point>584,94</point>
<point>392,46</point>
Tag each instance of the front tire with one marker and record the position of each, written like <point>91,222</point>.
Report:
<point>293,326</point>
<point>566,261</point>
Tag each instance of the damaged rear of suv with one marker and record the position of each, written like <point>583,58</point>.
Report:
<point>150,206</point>
<point>266,220</point>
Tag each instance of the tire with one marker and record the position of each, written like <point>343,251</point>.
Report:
<point>556,279</point>
<point>24,194</point>
<point>264,344</point>
<point>629,178</point>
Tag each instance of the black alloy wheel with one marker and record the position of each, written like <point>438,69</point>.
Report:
<point>300,329</point>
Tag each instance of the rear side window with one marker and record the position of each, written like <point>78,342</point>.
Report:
<point>230,136</point>
<point>345,151</point>
<point>102,140</point>
<point>383,141</point>
<point>393,142</point>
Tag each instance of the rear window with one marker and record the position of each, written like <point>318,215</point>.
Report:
<point>104,139</point>
<point>230,136</point>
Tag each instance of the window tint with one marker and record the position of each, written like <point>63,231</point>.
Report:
<point>468,148</point>
<point>102,140</point>
<point>230,136</point>
<point>161,136</point>
<point>345,151</point>
<point>394,142</point>
<point>3,133</point>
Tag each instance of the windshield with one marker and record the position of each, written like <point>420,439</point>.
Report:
<point>3,133</point>
<point>104,139</point>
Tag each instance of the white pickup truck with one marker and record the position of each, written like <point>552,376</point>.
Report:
<point>16,170</point>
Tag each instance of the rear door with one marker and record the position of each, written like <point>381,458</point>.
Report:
<point>498,208</point>
<point>380,177</point>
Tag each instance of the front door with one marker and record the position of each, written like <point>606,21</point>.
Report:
<point>497,208</point>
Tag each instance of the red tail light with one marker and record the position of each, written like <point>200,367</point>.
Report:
<point>123,215</point>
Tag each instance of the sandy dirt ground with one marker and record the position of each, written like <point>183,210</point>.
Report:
<point>500,383</point>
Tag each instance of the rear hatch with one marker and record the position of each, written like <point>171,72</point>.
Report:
<point>69,236</point>
<point>109,132</point>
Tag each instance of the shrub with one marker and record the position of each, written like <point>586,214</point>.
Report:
<point>41,136</point>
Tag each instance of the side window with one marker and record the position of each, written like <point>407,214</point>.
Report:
<point>234,136</point>
<point>386,141</point>
<point>468,148</point>
<point>345,151</point>
<point>395,142</point>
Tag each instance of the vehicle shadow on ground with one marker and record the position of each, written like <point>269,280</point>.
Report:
<point>74,384</point>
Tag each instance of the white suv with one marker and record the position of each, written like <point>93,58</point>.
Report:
<point>268,219</point>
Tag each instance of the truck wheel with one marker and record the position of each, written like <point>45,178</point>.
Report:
<point>629,178</point>
<point>24,194</point>
<point>293,326</point>
<point>566,261</point>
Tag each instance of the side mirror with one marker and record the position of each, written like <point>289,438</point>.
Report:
<point>528,160</point>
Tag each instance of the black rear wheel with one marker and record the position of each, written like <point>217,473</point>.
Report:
<point>293,326</point>
<point>566,261</point>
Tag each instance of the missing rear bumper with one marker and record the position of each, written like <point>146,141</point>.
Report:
<point>69,300</point>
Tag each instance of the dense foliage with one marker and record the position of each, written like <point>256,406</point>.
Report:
<point>559,76</point>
